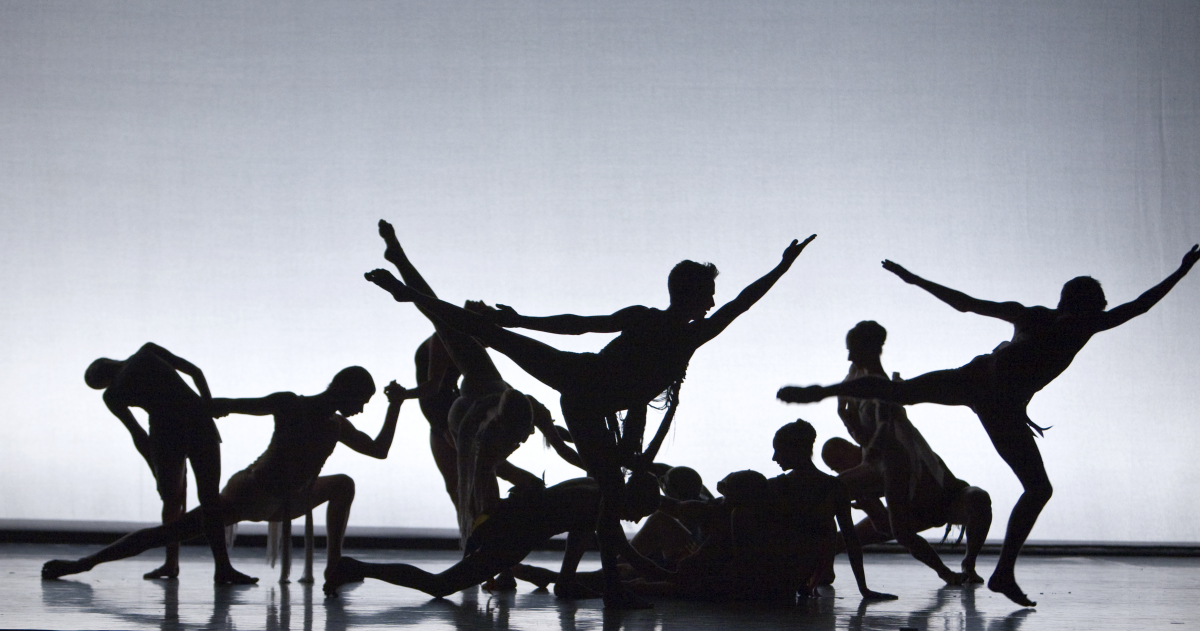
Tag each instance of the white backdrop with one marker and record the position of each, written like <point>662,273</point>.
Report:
<point>208,176</point>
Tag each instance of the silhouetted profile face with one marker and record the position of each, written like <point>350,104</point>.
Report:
<point>841,455</point>
<point>351,389</point>
<point>1082,295</point>
<point>641,496</point>
<point>794,444</point>
<point>508,425</point>
<point>100,373</point>
<point>692,286</point>
<point>864,342</point>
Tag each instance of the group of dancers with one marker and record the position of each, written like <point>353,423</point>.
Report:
<point>761,539</point>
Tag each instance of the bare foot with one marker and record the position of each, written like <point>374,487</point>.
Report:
<point>230,576</point>
<point>58,569</point>
<point>307,579</point>
<point>346,570</point>
<point>1010,589</point>
<point>168,571</point>
<point>797,394</point>
<point>502,582</point>
<point>390,284</point>
<point>393,253</point>
<point>625,599</point>
<point>953,578</point>
<point>970,576</point>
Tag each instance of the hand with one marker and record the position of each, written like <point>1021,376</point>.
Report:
<point>904,274</point>
<point>870,595</point>
<point>395,392</point>
<point>216,410</point>
<point>506,316</point>
<point>794,250</point>
<point>1190,258</point>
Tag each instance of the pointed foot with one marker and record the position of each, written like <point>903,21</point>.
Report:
<point>392,251</point>
<point>390,284</point>
<point>797,394</point>
<point>58,569</point>
<point>1011,590</point>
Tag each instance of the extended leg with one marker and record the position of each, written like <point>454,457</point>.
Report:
<point>133,544</point>
<point>1015,444</point>
<point>945,387</point>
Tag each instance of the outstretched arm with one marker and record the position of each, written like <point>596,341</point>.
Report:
<point>141,440</point>
<point>1007,311</point>
<point>183,366</point>
<point>378,447</point>
<point>566,324</point>
<point>853,548</point>
<point>1120,315</point>
<point>263,406</point>
<point>753,292</point>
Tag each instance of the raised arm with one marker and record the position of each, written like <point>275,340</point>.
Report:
<point>1120,315</point>
<point>378,447</point>
<point>566,324</point>
<point>853,548</point>
<point>141,440</point>
<point>753,292</point>
<point>1007,311</point>
<point>183,366</point>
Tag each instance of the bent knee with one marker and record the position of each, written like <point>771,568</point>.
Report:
<point>341,485</point>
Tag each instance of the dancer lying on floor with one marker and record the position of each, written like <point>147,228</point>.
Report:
<point>999,385</point>
<point>648,358</point>
<point>283,483</point>
<point>181,431</point>
<point>526,519</point>
<point>897,464</point>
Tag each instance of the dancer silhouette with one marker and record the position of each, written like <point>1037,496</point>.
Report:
<point>999,385</point>
<point>896,463</point>
<point>285,481</point>
<point>649,357</point>
<point>181,430</point>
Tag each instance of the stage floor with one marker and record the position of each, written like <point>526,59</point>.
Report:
<point>1093,593</point>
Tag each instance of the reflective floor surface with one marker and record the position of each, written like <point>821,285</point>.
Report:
<point>1072,593</point>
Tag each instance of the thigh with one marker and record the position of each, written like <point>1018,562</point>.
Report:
<point>957,386</point>
<point>204,454</point>
<point>1013,439</point>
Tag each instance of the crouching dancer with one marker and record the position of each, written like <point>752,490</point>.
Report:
<point>283,483</point>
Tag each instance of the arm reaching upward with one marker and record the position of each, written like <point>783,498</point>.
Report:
<point>1007,311</point>
<point>378,447</point>
<point>753,292</point>
<point>1120,315</point>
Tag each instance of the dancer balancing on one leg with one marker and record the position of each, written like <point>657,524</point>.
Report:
<point>999,385</point>
<point>649,357</point>
<point>285,481</point>
<point>181,430</point>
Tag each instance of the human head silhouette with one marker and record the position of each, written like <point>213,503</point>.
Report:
<point>1082,294</point>
<point>692,286</point>
<point>507,425</point>
<point>641,496</point>
<point>743,488</point>
<point>682,483</point>
<point>100,373</point>
<point>840,454</point>
<point>864,342</point>
<point>350,390</point>
<point>793,444</point>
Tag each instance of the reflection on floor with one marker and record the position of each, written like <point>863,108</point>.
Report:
<point>1072,593</point>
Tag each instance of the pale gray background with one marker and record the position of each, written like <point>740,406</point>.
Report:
<point>208,176</point>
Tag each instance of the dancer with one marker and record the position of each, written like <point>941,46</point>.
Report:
<point>999,385</point>
<point>813,507</point>
<point>283,483</point>
<point>181,430</point>
<point>898,464</point>
<point>437,386</point>
<point>528,517</point>
<point>649,357</point>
